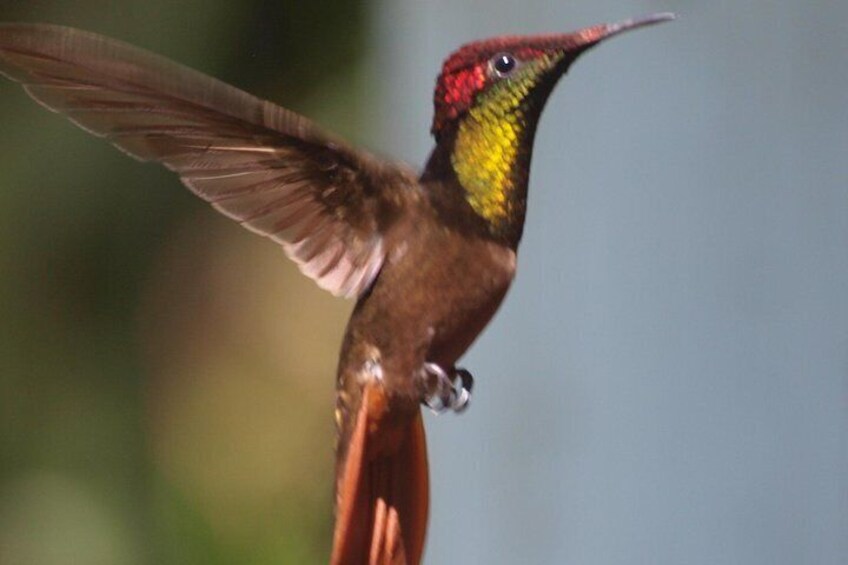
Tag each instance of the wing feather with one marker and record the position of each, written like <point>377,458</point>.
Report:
<point>266,167</point>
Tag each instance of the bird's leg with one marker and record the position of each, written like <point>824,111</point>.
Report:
<point>445,390</point>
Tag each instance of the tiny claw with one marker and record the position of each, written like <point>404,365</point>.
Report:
<point>443,391</point>
<point>437,388</point>
<point>466,383</point>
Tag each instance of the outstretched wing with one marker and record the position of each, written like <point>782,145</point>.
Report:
<point>266,167</point>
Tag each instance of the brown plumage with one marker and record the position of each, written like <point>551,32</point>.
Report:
<point>428,267</point>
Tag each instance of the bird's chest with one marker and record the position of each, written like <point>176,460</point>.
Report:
<point>468,285</point>
<point>438,290</point>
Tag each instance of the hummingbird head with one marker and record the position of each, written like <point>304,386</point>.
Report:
<point>488,99</point>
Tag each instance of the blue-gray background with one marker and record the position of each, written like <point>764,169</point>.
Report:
<point>667,381</point>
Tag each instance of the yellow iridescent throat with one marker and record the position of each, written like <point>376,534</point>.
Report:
<point>488,150</point>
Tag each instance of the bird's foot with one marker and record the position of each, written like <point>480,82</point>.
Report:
<point>445,390</point>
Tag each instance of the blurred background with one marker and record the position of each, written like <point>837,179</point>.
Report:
<point>667,381</point>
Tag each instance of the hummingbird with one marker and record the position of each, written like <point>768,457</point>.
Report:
<point>428,257</point>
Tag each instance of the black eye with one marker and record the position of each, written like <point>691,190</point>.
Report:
<point>503,63</point>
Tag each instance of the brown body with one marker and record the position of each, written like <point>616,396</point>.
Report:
<point>423,307</point>
<point>426,306</point>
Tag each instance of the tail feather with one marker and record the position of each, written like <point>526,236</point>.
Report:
<point>382,492</point>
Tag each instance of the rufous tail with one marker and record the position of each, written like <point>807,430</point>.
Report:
<point>382,489</point>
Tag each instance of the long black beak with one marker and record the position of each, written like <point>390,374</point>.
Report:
<point>578,41</point>
<point>614,29</point>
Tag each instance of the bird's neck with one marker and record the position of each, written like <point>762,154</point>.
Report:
<point>487,152</point>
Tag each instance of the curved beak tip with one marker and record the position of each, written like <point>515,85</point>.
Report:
<point>616,28</point>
